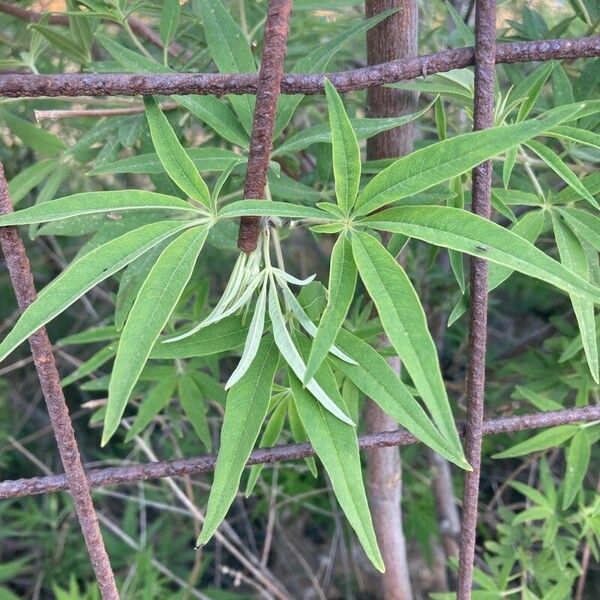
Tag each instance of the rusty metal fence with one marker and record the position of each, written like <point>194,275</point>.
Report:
<point>267,85</point>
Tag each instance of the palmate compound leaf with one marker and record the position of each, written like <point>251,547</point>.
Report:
<point>463,231</point>
<point>154,304</point>
<point>178,165</point>
<point>89,203</point>
<point>245,410</point>
<point>434,164</point>
<point>336,444</point>
<point>573,257</point>
<point>404,321</point>
<point>345,150</point>
<point>83,274</point>
<point>342,282</point>
<point>291,355</point>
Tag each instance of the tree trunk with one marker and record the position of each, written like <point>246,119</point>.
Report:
<point>394,38</point>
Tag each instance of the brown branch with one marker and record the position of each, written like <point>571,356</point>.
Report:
<point>41,350</point>
<point>204,464</point>
<point>392,39</point>
<point>77,113</point>
<point>126,84</point>
<point>263,127</point>
<point>483,117</point>
<point>137,26</point>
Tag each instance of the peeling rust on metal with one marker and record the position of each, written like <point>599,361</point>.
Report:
<point>17,85</point>
<point>483,117</point>
<point>204,464</point>
<point>263,127</point>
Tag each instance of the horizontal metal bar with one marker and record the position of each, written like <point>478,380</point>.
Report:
<point>17,85</point>
<point>204,464</point>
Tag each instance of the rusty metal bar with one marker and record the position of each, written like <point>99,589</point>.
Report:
<point>265,111</point>
<point>41,350</point>
<point>483,117</point>
<point>206,463</point>
<point>125,84</point>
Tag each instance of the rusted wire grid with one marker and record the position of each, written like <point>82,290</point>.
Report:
<point>41,349</point>
<point>17,85</point>
<point>483,118</point>
<point>206,463</point>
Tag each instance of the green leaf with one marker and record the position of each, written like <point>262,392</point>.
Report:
<point>549,438</point>
<point>568,195</point>
<point>245,410</point>
<point>342,282</point>
<point>194,407</point>
<point>376,379</point>
<point>529,89</point>
<point>20,185</point>
<point>82,275</point>
<point>404,321</point>
<point>177,163</point>
<point>219,337</point>
<point>90,365</point>
<point>560,168</point>
<point>291,355</point>
<point>268,438</point>
<point>577,135</point>
<point>63,42</point>
<point>230,50</point>
<point>169,20</point>
<point>441,161</point>
<point>262,208</point>
<point>89,203</point>
<point>255,332</point>
<point>208,109</point>
<point>156,399</point>
<point>336,445</point>
<point>573,257</point>
<point>34,137</point>
<point>206,159</point>
<point>363,130</point>
<point>299,435</point>
<point>346,153</point>
<point>466,232</point>
<point>216,114</point>
<point>578,460</point>
<point>529,227</point>
<point>156,300</point>
<point>584,223</point>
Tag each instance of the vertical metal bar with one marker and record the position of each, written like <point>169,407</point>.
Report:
<point>41,350</point>
<point>263,127</point>
<point>485,36</point>
<point>394,38</point>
